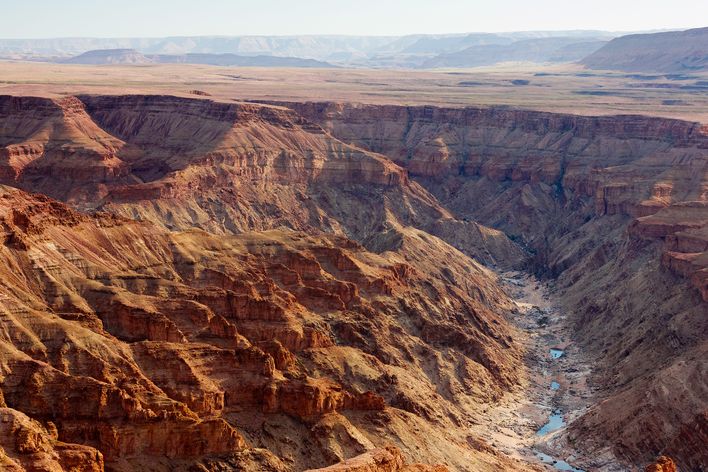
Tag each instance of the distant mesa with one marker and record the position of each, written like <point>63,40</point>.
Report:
<point>238,60</point>
<point>108,56</point>
<point>673,51</point>
<point>131,56</point>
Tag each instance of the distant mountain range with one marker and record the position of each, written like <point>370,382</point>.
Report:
<point>357,51</point>
<point>665,51</point>
<point>561,49</point>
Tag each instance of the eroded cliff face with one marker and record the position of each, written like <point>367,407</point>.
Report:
<point>226,168</point>
<point>150,349</point>
<point>529,172</point>
<point>616,209</point>
<point>104,141</point>
<point>627,165</point>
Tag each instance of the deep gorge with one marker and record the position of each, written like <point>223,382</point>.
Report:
<point>613,209</point>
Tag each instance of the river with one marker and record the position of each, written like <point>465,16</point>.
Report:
<point>530,426</point>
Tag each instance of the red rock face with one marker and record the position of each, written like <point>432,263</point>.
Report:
<point>153,138</point>
<point>663,464</point>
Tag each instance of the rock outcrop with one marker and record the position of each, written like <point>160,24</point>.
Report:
<point>683,228</point>
<point>385,459</point>
<point>663,464</point>
<point>25,444</point>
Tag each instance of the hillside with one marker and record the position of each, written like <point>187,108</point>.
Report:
<point>108,56</point>
<point>674,51</point>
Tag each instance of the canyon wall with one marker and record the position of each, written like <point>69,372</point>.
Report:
<point>284,286</point>
<point>226,168</point>
<point>289,348</point>
<point>526,172</point>
<point>616,209</point>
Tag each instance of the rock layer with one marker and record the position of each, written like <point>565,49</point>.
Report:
<point>225,168</point>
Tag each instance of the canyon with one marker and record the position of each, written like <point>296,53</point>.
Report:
<point>209,284</point>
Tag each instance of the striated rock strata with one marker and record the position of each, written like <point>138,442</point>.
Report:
<point>304,289</point>
<point>222,167</point>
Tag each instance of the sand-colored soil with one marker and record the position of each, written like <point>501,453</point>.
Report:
<point>558,88</point>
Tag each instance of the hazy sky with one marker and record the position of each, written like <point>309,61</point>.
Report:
<point>121,18</point>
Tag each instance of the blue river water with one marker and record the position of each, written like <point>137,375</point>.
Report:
<point>558,464</point>
<point>554,422</point>
<point>556,353</point>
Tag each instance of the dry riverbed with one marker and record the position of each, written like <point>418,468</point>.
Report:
<point>530,424</point>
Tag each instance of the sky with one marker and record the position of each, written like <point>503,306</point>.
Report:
<point>158,18</point>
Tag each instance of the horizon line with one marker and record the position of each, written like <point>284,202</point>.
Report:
<point>353,35</point>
